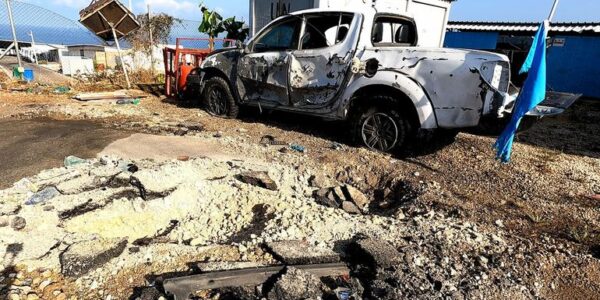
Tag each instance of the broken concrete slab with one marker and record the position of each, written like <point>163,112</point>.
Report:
<point>301,253</point>
<point>336,196</point>
<point>259,179</point>
<point>82,257</point>
<point>356,196</point>
<point>351,208</point>
<point>297,284</point>
<point>375,252</point>
<point>327,197</point>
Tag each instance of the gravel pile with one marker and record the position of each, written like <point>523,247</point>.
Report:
<point>111,215</point>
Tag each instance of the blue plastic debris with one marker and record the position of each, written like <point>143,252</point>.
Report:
<point>43,196</point>
<point>298,148</point>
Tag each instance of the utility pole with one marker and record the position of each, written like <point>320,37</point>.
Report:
<point>151,42</point>
<point>14,33</point>
<point>120,55</point>
<point>35,58</point>
<point>130,6</point>
<point>553,11</point>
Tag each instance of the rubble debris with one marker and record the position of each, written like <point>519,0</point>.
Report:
<point>301,253</point>
<point>317,181</point>
<point>18,223</point>
<point>183,158</point>
<point>336,146</point>
<point>192,126</point>
<point>135,101</point>
<point>298,148</point>
<point>259,179</point>
<point>111,96</point>
<point>346,197</point>
<point>43,196</point>
<point>73,160</point>
<point>377,253</point>
<point>350,208</point>
<point>82,257</point>
<point>61,90</point>
<point>269,140</point>
<point>297,284</point>
<point>183,287</point>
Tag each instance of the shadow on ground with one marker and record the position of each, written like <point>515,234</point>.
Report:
<point>30,146</point>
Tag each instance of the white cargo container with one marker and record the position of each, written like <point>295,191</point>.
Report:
<point>431,16</point>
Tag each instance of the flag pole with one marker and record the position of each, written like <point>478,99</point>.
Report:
<point>553,12</point>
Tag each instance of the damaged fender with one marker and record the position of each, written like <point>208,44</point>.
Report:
<point>403,84</point>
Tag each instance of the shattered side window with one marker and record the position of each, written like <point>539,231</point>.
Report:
<point>394,31</point>
<point>280,37</point>
<point>325,30</point>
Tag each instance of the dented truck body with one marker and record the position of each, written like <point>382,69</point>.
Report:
<point>331,63</point>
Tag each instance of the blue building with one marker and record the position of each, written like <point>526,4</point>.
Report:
<point>573,54</point>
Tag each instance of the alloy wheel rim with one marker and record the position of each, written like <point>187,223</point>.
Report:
<point>380,132</point>
<point>216,101</point>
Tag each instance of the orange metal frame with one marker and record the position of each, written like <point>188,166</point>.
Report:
<point>176,68</point>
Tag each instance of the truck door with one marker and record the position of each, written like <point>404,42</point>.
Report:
<point>318,69</point>
<point>264,70</point>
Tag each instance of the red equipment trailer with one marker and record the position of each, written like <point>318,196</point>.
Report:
<point>179,62</point>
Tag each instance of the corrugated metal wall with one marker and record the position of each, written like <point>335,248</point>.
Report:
<point>472,40</point>
<point>575,67</point>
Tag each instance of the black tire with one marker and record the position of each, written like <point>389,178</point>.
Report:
<point>218,99</point>
<point>382,127</point>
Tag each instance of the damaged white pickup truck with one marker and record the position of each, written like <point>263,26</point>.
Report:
<point>363,66</point>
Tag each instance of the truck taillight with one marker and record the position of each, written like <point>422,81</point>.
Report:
<point>497,74</point>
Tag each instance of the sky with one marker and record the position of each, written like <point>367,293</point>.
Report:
<point>462,10</point>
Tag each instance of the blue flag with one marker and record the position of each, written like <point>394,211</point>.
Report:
<point>532,93</point>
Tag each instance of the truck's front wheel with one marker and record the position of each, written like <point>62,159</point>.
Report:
<point>218,99</point>
<point>381,129</point>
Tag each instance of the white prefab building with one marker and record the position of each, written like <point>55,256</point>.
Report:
<point>431,16</point>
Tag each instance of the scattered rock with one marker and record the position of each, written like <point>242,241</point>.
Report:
<point>80,258</point>
<point>183,158</point>
<point>18,223</point>
<point>259,179</point>
<point>192,126</point>
<point>4,221</point>
<point>297,284</point>
<point>336,196</point>
<point>356,196</point>
<point>378,253</point>
<point>317,181</point>
<point>301,253</point>
<point>350,208</point>
<point>327,197</point>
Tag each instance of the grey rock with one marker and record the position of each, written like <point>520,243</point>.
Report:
<point>4,221</point>
<point>259,179</point>
<point>297,284</point>
<point>18,223</point>
<point>327,197</point>
<point>301,253</point>
<point>376,252</point>
<point>82,257</point>
<point>356,196</point>
<point>350,208</point>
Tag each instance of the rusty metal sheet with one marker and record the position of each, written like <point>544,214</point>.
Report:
<point>101,14</point>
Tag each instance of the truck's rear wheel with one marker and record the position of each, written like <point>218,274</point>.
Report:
<point>218,99</point>
<point>381,129</point>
